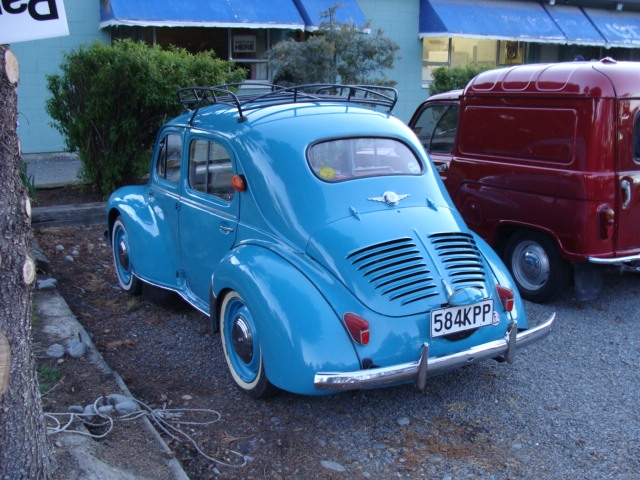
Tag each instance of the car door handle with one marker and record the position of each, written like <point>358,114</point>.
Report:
<point>226,229</point>
<point>626,192</point>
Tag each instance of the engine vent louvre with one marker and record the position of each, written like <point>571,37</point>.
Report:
<point>461,258</point>
<point>396,269</point>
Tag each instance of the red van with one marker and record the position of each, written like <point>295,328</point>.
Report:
<point>543,161</point>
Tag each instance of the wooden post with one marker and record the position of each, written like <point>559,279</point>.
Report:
<point>5,363</point>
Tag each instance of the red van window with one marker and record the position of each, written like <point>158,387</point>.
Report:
<point>535,133</point>
<point>636,139</point>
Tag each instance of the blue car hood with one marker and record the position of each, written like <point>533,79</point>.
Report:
<point>400,262</point>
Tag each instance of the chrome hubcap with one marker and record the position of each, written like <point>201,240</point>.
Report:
<point>242,339</point>
<point>123,254</point>
<point>531,267</point>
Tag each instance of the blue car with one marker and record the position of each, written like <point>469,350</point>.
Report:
<point>313,229</point>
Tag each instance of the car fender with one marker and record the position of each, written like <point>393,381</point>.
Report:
<point>149,238</point>
<point>300,334</point>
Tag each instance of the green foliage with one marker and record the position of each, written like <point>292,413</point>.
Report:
<point>47,376</point>
<point>27,180</point>
<point>337,52</point>
<point>108,102</point>
<point>451,78</point>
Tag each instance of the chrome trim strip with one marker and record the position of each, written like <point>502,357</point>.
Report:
<point>614,261</point>
<point>426,367</point>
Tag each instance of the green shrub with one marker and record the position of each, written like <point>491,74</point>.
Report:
<point>108,102</point>
<point>451,78</point>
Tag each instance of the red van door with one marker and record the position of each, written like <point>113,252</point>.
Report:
<point>628,209</point>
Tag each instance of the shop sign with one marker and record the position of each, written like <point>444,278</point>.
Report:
<point>22,20</point>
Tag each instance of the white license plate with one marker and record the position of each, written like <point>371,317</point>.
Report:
<point>445,321</point>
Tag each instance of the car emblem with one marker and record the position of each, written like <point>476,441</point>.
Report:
<point>390,198</point>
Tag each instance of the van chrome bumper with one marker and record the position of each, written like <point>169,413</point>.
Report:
<point>614,261</point>
<point>426,367</point>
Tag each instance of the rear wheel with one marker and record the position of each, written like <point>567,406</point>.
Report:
<point>241,345</point>
<point>537,268</point>
<point>122,259</point>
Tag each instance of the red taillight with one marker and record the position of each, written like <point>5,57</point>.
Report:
<point>358,328</point>
<point>506,297</point>
<point>607,220</point>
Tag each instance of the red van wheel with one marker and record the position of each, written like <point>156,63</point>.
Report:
<point>537,268</point>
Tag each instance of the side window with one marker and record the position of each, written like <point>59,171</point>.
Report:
<point>437,127</point>
<point>210,169</point>
<point>170,158</point>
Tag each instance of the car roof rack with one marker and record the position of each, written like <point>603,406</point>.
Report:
<point>194,98</point>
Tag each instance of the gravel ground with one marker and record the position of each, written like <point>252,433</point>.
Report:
<point>566,409</point>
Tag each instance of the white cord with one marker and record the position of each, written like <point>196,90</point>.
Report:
<point>162,418</point>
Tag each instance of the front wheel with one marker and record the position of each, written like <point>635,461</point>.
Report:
<point>537,268</point>
<point>122,259</point>
<point>241,346</point>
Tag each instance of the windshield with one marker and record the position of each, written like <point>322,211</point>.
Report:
<point>345,159</point>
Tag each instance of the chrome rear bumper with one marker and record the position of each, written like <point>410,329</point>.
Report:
<point>426,367</point>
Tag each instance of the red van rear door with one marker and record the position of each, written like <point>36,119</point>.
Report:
<point>628,209</point>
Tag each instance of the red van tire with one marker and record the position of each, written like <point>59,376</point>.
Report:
<point>536,266</point>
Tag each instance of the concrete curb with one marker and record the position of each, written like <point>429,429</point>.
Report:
<point>79,214</point>
<point>58,322</point>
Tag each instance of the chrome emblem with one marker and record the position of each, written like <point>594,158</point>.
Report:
<point>390,198</point>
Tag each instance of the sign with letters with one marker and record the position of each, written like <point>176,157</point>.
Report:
<point>22,20</point>
<point>244,44</point>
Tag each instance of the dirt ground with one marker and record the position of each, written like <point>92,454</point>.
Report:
<point>168,358</point>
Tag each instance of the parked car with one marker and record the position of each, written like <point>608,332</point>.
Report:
<point>312,228</point>
<point>543,162</point>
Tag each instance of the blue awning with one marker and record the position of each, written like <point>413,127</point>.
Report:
<point>620,29</point>
<point>494,19</point>
<point>575,25</point>
<point>201,13</point>
<point>348,11</point>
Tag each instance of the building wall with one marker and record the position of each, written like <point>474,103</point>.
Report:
<point>401,25</point>
<point>39,58</point>
<point>398,20</point>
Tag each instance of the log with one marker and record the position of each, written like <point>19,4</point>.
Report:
<point>5,363</point>
<point>79,214</point>
<point>11,68</point>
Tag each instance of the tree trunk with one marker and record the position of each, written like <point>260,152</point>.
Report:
<point>24,449</point>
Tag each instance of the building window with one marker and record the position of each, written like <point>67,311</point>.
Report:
<point>245,46</point>
<point>461,51</point>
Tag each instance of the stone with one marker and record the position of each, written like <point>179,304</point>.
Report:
<point>77,349</point>
<point>56,351</point>
<point>47,284</point>
<point>333,466</point>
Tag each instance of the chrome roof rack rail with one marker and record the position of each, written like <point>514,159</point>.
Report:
<point>194,98</point>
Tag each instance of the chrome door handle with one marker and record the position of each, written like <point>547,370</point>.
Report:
<point>626,192</point>
<point>226,229</point>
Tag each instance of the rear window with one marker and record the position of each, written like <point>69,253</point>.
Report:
<point>531,133</point>
<point>346,159</point>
